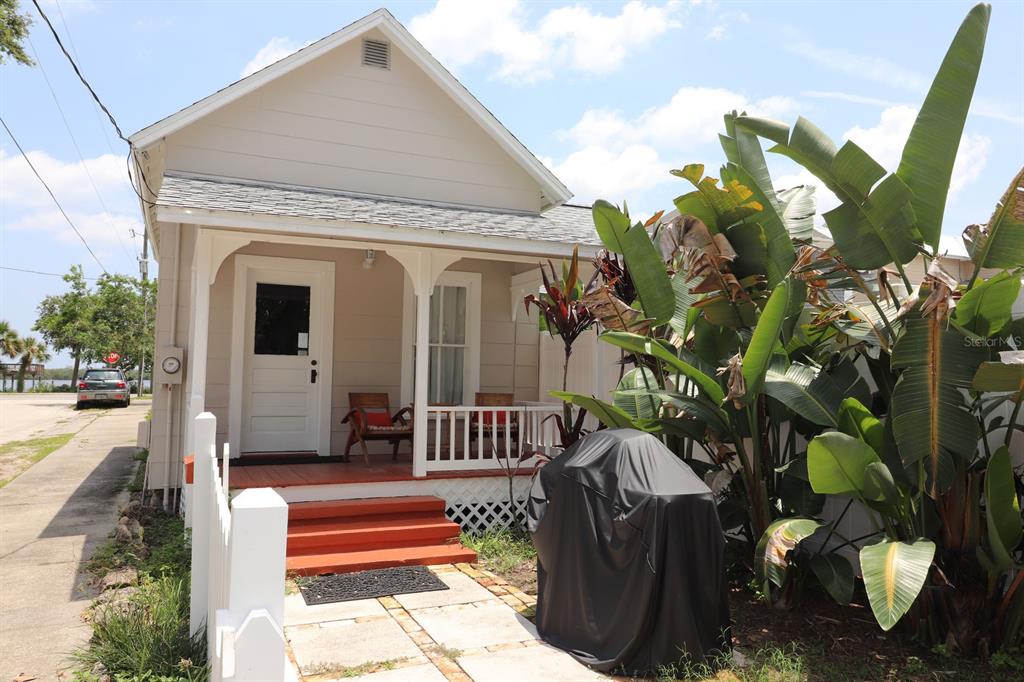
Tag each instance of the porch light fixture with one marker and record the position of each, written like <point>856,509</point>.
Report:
<point>371,256</point>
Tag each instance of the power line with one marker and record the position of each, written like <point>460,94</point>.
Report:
<point>110,116</point>
<point>38,272</point>
<point>74,141</point>
<point>74,50</point>
<point>52,196</point>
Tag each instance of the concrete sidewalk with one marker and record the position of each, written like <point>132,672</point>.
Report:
<point>51,518</point>
<point>474,631</point>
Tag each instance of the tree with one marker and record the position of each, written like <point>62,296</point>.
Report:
<point>65,320</point>
<point>13,30</point>
<point>30,350</point>
<point>8,344</point>
<point>118,321</point>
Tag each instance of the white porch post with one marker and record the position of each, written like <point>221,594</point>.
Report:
<point>198,334</point>
<point>423,266</point>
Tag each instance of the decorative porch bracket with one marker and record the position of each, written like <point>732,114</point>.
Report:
<point>423,266</point>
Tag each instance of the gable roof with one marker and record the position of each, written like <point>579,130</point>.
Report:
<point>554,192</point>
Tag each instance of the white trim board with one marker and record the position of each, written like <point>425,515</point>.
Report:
<point>554,192</point>
<point>325,269</point>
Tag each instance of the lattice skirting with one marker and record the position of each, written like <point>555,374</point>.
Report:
<point>482,504</point>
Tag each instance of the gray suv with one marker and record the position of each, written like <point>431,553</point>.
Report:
<point>102,386</point>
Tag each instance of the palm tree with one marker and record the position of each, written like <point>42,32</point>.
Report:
<point>8,345</point>
<point>31,350</point>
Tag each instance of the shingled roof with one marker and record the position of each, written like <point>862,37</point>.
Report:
<point>566,224</point>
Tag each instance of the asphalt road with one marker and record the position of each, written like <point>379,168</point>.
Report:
<point>52,517</point>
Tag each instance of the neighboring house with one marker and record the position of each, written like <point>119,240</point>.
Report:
<point>302,218</point>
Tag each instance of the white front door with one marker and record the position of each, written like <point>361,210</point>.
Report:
<point>286,344</point>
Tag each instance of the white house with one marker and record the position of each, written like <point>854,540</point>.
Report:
<point>348,220</point>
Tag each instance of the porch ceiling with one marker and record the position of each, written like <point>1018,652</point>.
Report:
<point>568,225</point>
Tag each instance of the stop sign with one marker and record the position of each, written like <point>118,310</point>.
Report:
<point>112,357</point>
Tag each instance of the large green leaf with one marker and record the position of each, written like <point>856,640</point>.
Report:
<point>635,343</point>
<point>837,464</point>
<point>835,574</point>
<point>858,421</point>
<point>779,252</point>
<point>930,151</point>
<point>609,415</point>
<point>894,573</point>
<point>999,377</point>
<point>1002,509</point>
<point>636,394</point>
<point>1000,244</point>
<point>742,148</point>
<point>798,210</point>
<point>646,268</point>
<point>701,409</point>
<point>681,285</point>
<point>766,336</point>
<point>987,306</point>
<point>805,390</point>
<point>771,556</point>
<point>874,225</point>
<point>930,417</point>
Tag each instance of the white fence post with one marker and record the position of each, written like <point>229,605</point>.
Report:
<point>205,438</point>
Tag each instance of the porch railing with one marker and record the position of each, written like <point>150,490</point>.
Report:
<point>464,437</point>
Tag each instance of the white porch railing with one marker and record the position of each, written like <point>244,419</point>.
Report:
<point>475,437</point>
<point>238,569</point>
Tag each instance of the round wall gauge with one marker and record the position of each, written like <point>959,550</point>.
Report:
<point>171,365</point>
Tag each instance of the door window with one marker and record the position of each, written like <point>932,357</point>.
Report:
<point>282,319</point>
<point>447,344</point>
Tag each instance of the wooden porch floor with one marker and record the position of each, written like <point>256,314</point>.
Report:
<point>253,474</point>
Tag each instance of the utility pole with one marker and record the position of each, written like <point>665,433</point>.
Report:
<point>144,271</point>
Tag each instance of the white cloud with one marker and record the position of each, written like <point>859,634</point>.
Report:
<point>99,229</point>
<point>849,97</point>
<point>594,172</point>
<point>716,32</point>
<point>461,32</point>
<point>69,181</point>
<point>28,206</point>
<point>868,67</point>
<point>692,117</point>
<point>277,48</point>
<point>884,142</point>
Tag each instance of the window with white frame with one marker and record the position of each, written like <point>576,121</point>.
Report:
<point>454,334</point>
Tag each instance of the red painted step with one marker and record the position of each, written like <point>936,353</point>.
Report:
<point>340,536</point>
<point>364,507</point>
<point>348,562</point>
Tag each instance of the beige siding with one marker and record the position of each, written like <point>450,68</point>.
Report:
<point>334,123</point>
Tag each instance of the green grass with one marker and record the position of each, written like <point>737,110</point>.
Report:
<point>166,552</point>
<point>501,551</point>
<point>147,636</point>
<point>139,479</point>
<point>25,453</point>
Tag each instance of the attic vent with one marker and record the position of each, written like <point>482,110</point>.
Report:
<point>377,53</point>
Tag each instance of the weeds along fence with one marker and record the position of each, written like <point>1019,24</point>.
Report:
<point>238,568</point>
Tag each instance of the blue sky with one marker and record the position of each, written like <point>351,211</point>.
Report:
<point>611,95</point>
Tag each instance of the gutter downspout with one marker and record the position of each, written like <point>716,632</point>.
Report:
<point>170,387</point>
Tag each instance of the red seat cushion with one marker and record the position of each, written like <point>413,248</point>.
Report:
<point>378,419</point>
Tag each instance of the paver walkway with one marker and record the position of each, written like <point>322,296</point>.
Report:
<point>473,631</point>
<point>51,518</point>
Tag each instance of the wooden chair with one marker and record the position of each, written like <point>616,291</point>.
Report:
<point>492,418</point>
<point>371,419</point>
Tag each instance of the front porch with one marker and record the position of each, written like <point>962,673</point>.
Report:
<point>427,328</point>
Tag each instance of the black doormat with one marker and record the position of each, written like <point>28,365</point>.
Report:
<point>383,582</point>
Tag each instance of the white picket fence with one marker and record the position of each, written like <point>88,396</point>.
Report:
<point>238,569</point>
<point>466,437</point>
